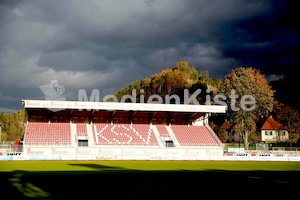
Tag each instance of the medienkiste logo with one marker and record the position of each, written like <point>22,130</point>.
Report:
<point>53,91</point>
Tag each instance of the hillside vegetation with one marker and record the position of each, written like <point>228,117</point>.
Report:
<point>172,81</point>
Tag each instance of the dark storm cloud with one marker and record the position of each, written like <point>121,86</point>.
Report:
<point>271,40</point>
<point>107,45</point>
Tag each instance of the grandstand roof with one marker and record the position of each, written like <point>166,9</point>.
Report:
<point>109,106</point>
<point>117,109</point>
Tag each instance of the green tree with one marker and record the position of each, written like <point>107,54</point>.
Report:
<point>12,125</point>
<point>251,89</point>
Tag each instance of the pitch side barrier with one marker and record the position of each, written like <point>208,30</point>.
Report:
<point>262,156</point>
<point>142,153</point>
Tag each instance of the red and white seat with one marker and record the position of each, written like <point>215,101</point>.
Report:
<point>44,133</point>
<point>124,134</point>
<point>193,135</point>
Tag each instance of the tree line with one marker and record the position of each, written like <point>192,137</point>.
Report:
<point>243,80</point>
<point>174,80</point>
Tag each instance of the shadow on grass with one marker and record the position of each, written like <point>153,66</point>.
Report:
<point>120,183</point>
<point>97,166</point>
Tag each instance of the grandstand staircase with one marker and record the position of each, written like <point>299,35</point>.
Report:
<point>73,135</point>
<point>166,139</point>
<point>174,139</point>
<point>79,138</point>
<point>156,133</point>
<point>89,128</point>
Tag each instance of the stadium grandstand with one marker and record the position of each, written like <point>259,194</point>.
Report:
<point>122,131</point>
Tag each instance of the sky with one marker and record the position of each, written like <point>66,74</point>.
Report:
<point>108,44</point>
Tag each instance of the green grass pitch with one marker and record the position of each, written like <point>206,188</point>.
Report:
<point>147,179</point>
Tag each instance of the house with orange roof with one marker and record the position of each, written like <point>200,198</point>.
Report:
<point>272,131</point>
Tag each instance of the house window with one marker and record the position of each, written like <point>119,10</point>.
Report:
<point>282,133</point>
<point>268,133</point>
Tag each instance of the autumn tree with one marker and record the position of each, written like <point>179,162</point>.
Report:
<point>173,81</point>
<point>169,81</point>
<point>249,97</point>
<point>290,119</point>
<point>220,131</point>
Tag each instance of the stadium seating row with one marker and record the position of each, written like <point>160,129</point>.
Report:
<point>58,133</point>
<point>39,133</point>
<point>124,134</point>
